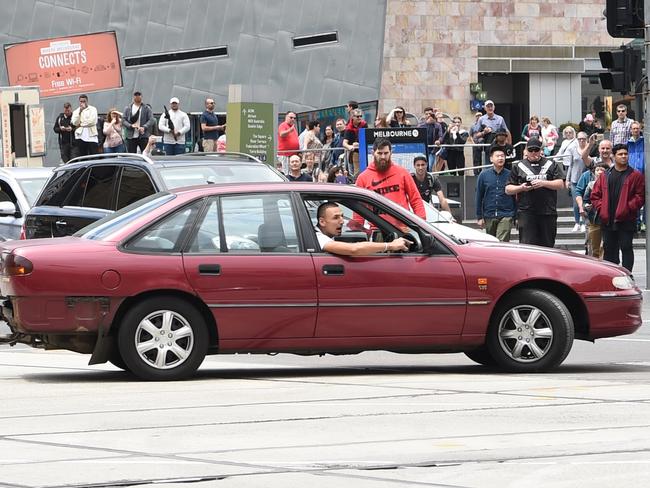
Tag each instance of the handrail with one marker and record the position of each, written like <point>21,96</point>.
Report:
<point>109,156</point>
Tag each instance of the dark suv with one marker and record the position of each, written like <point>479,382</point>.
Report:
<point>91,187</point>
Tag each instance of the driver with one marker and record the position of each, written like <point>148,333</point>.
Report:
<point>330,224</point>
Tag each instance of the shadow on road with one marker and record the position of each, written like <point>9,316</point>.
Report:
<point>270,373</point>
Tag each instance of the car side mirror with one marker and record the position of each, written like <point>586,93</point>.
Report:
<point>7,209</point>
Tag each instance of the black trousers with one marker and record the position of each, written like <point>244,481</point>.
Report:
<point>477,153</point>
<point>615,241</point>
<point>132,145</point>
<point>83,148</point>
<point>539,230</point>
<point>66,151</point>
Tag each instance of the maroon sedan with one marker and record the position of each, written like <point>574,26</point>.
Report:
<point>238,268</point>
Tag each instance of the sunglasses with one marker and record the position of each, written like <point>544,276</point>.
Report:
<point>358,116</point>
<point>620,111</point>
<point>533,149</point>
<point>398,112</point>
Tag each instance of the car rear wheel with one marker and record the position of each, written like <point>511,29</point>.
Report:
<point>532,330</point>
<point>163,339</point>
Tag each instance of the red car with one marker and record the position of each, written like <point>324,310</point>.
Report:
<point>237,268</point>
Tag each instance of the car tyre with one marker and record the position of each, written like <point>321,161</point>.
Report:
<point>115,358</point>
<point>163,338</point>
<point>532,330</point>
<point>481,355</point>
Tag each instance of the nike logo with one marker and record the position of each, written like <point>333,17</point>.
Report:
<point>375,183</point>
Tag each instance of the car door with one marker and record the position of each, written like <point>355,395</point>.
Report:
<point>247,263</point>
<point>400,294</point>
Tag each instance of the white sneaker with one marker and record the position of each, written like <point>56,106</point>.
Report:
<point>576,228</point>
<point>582,228</point>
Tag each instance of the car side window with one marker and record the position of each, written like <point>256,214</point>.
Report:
<point>60,185</point>
<point>207,238</point>
<point>134,185</point>
<point>166,235</point>
<point>259,223</point>
<point>99,187</point>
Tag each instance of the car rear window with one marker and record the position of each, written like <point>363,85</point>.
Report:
<point>104,227</point>
<point>191,175</point>
<point>59,186</point>
<point>31,188</point>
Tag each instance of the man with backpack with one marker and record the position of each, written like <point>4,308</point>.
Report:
<point>427,183</point>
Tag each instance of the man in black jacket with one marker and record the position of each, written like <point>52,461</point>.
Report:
<point>64,128</point>
<point>139,121</point>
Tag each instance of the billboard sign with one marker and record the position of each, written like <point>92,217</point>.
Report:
<point>66,65</point>
<point>250,130</point>
<point>407,143</point>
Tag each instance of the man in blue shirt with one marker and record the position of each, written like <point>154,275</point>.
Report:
<point>494,209</point>
<point>210,127</point>
<point>491,124</point>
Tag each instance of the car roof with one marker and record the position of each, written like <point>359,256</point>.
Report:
<point>162,161</point>
<point>301,186</point>
<point>20,173</point>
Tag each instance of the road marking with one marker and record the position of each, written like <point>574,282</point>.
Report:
<point>625,340</point>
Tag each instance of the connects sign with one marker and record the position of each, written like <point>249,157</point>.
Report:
<point>62,66</point>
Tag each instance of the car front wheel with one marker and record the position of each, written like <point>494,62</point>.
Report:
<point>532,330</point>
<point>163,339</point>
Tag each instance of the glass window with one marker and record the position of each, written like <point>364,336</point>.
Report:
<point>99,189</point>
<point>167,234</point>
<point>260,223</point>
<point>31,187</point>
<point>60,185</point>
<point>104,227</point>
<point>206,239</point>
<point>189,175</point>
<point>134,185</point>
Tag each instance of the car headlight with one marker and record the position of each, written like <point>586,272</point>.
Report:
<point>623,282</point>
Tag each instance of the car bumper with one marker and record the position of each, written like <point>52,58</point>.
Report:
<point>613,314</point>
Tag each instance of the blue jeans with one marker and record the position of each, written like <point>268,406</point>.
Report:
<point>172,149</point>
<point>116,149</point>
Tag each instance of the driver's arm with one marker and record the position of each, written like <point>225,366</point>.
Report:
<point>365,248</point>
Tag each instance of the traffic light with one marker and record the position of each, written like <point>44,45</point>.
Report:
<point>625,18</point>
<point>624,67</point>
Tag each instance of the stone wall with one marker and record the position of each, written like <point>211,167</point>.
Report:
<point>431,46</point>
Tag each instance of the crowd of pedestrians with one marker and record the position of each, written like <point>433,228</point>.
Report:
<point>83,131</point>
<point>604,176</point>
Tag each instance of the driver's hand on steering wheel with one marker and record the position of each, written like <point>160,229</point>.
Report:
<point>399,244</point>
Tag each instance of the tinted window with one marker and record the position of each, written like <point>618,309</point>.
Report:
<point>206,239</point>
<point>59,186</point>
<point>236,172</point>
<point>166,234</point>
<point>259,223</point>
<point>99,188</point>
<point>134,185</point>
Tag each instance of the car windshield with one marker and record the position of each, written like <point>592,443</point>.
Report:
<point>433,214</point>
<point>190,175</point>
<point>115,221</point>
<point>31,187</point>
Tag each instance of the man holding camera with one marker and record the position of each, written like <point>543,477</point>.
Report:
<point>84,118</point>
<point>535,181</point>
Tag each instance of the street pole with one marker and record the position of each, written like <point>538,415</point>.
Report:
<point>646,135</point>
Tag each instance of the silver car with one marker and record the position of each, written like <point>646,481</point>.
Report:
<point>19,188</point>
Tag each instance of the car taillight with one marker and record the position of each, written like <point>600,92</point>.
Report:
<point>13,265</point>
<point>22,232</point>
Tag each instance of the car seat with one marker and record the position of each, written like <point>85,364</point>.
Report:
<point>270,238</point>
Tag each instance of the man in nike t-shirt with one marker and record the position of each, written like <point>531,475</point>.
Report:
<point>390,180</point>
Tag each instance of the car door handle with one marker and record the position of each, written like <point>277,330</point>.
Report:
<point>333,269</point>
<point>210,269</point>
<point>61,223</point>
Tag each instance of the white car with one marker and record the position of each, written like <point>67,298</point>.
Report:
<point>444,221</point>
